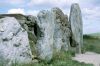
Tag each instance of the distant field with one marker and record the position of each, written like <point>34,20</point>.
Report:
<point>92,42</point>
<point>95,35</point>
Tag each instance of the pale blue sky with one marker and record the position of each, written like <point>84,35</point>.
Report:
<point>90,10</point>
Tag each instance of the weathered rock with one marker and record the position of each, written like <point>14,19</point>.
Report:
<point>25,21</point>
<point>29,24</point>
<point>66,34</point>
<point>32,32</point>
<point>61,30</point>
<point>76,27</point>
<point>44,44</point>
<point>14,43</point>
<point>32,25</point>
<point>48,33</point>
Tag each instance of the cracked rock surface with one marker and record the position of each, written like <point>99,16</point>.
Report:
<point>14,42</point>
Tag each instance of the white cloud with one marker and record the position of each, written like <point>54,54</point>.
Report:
<point>91,13</point>
<point>53,2</point>
<point>91,18</point>
<point>66,11</point>
<point>32,12</point>
<point>23,11</point>
<point>16,11</point>
<point>15,1</point>
<point>91,27</point>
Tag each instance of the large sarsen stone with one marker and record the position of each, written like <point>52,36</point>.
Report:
<point>14,43</point>
<point>61,30</point>
<point>76,27</point>
<point>44,44</point>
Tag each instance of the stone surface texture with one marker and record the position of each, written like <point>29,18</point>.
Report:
<point>76,27</point>
<point>25,37</point>
<point>44,44</point>
<point>14,42</point>
<point>61,30</point>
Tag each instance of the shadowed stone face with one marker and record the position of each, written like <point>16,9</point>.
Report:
<point>76,26</point>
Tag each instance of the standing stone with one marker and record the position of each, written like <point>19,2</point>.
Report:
<point>27,22</point>
<point>14,43</point>
<point>76,26</point>
<point>61,30</point>
<point>44,44</point>
<point>66,34</point>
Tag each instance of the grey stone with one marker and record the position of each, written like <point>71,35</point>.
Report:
<point>44,44</point>
<point>27,22</point>
<point>23,37</point>
<point>61,30</point>
<point>14,43</point>
<point>76,27</point>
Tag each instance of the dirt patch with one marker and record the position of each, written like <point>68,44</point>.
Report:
<point>88,57</point>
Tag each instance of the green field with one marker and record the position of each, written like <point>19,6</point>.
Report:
<point>92,42</point>
<point>96,35</point>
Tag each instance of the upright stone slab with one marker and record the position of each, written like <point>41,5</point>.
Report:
<point>61,30</point>
<point>44,44</point>
<point>27,22</point>
<point>14,43</point>
<point>76,26</point>
<point>66,34</point>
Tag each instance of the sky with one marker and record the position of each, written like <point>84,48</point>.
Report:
<point>90,10</point>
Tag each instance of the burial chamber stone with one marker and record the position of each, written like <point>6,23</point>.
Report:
<point>14,42</point>
<point>76,27</point>
<point>44,44</point>
<point>44,35</point>
<point>54,34</point>
<point>28,23</point>
<point>61,30</point>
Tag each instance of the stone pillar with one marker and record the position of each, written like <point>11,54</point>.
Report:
<point>61,30</point>
<point>44,44</point>
<point>76,26</point>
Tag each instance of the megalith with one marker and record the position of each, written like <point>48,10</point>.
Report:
<point>76,27</point>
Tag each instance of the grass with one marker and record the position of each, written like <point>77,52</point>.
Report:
<point>32,43</point>
<point>96,35</point>
<point>92,43</point>
<point>60,59</point>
